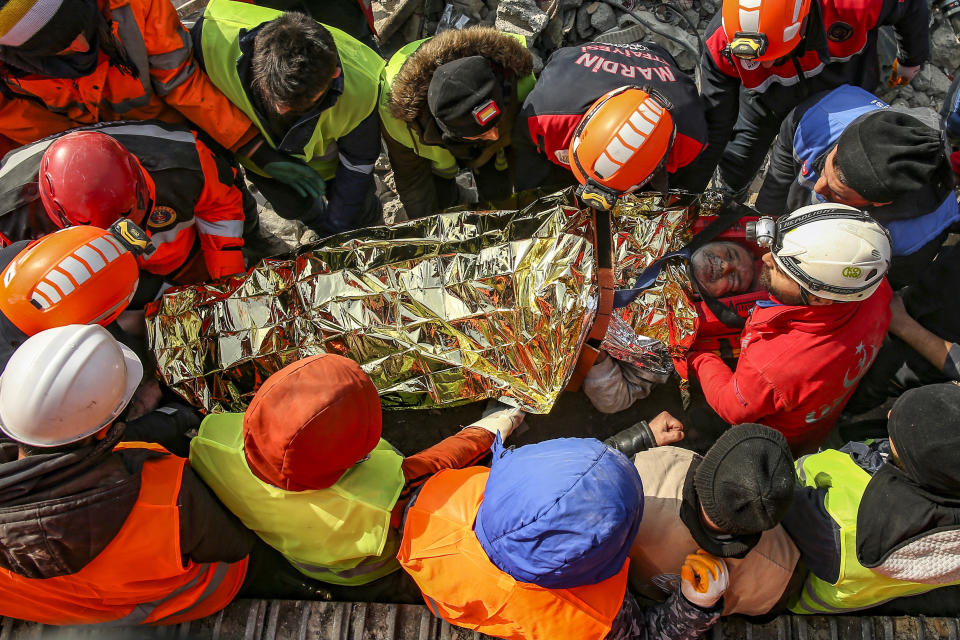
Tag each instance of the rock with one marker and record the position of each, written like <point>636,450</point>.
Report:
<point>584,30</point>
<point>569,4</point>
<point>932,81</point>
<point>627,20</point>
<point>923,100</point>
<point>708,8</point>
<point>944,48</point>
<point>523,17</point>
<point>569,22</point>
<point>537,62</point>
<point>685,56</point>
<point>552,36</point>
<point>604,18</point>
<point>410,30</point>
<point>472,8</point>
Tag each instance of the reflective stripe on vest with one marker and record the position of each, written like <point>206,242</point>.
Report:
<point>139,578</point>
<point>220,40</point>
<point>439,550</point>
<point>340,534</point>
<point>444,163</point>
<point>857,587</point>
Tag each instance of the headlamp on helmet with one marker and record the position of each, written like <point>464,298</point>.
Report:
<point>831,250</point>
<point>748,45</point>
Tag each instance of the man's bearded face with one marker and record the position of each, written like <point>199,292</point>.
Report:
<point>723,268</point>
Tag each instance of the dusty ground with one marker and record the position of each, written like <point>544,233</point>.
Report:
<point>572,416</point>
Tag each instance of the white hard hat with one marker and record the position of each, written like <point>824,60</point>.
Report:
<point>833,251</point>
<point>65,384</point>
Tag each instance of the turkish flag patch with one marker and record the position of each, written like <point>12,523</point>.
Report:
<point>486,112</point>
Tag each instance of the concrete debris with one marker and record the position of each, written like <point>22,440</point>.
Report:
<point>603,17</point>
<point>523,17</point>
<point>550,24</point>
<point>472,8</point>
<point>584,30</point>
<point>944,48</point>
<point>932,80</point>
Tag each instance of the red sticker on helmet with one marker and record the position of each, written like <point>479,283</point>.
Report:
<point>486,112</point>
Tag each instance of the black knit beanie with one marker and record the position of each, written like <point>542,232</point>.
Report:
<point>924,426</point>
<point>886,154</point>
<point>465,97</point>
<point>746,481</point>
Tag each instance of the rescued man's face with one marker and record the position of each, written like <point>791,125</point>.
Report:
<point>722,268</point>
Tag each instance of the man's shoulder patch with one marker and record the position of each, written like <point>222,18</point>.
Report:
<point>161,218</point>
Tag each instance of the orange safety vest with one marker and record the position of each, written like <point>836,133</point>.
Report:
<point>169,86</point>
<point>459,583</point>
<point>140,577</point>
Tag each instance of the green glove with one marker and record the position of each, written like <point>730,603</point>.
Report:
<point>298,175</point>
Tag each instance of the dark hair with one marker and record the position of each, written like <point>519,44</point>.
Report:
<point>294,59</point>
<point>841,176</point>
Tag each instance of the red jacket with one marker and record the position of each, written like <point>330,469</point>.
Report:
<point>798,366</point>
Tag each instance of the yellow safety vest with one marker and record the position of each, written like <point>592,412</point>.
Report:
<point>444,164</point>
<point>340,535</point>
<point>857,586</point>
<point>220,40</point>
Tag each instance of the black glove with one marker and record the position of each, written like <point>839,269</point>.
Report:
<point>632,440</point>
<point>171,425</point>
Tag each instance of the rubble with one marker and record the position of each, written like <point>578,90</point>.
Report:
<point>602,17</point>
<point>550,24</point>
<point>524,17</point>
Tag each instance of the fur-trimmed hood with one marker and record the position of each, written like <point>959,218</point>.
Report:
<point>408,92</point>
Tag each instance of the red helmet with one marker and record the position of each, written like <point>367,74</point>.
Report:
<point>87,177</point>
<point>80,275</point>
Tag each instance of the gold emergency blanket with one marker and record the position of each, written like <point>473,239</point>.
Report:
<point>645,228</point>
<point>439,311</point>
<point>444,310</point>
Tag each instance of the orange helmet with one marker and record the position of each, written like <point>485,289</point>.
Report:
<point>763,30</point>
<point>78,275</point>
<point>621,142</point>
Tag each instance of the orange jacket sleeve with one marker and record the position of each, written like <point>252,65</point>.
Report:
<point>25,121</point>
<point>463,449</point>
<point>219,216</point>
<point>177,78</point>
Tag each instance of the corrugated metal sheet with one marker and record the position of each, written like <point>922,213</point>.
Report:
<point>290,620</point>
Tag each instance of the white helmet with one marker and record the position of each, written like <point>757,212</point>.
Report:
<point>65,384</point>
<point>833,251</point>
